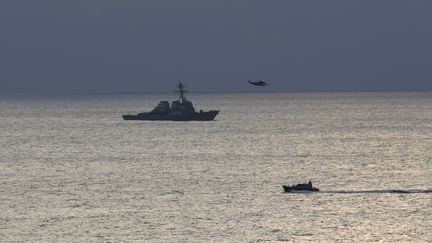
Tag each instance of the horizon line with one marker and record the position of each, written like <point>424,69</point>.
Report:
<point>210,92</point>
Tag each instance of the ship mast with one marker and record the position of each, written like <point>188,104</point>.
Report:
<point>181,91</point>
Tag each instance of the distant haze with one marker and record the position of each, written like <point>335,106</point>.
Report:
<point>215,46</point>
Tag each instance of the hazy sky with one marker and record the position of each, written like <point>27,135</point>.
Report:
<point>144,45</point>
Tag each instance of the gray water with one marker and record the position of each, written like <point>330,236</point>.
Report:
<point>71,170</point>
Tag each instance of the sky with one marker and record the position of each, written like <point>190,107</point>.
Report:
<point>215,46</point>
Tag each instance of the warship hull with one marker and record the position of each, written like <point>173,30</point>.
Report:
<point>199,116</point>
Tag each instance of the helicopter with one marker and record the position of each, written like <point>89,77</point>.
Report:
<point>256,82</point>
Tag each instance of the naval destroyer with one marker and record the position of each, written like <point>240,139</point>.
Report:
<point>180,110</point>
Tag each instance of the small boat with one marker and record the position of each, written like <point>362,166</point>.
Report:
<point>300,188</point>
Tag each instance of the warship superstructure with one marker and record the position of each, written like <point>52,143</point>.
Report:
<point>180,110</point>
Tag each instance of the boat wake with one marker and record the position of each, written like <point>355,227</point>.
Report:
<point>380,191</point>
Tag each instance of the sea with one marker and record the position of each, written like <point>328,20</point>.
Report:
<point>71,170</point>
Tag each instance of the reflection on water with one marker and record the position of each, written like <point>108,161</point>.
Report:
<point>72,170</point>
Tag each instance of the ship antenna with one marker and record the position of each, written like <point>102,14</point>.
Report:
<point>181,91</point>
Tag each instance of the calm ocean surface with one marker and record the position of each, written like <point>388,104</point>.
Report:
<point>71,170</point>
